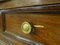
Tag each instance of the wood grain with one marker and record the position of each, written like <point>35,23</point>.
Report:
<point>49,35</point>
<point>19,3</point>
<point>0,23</point>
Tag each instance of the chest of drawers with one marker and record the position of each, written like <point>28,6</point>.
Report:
<point>32,25</point>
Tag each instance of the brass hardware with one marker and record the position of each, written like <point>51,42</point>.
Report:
<point>26,27</point>
<point>39,26</point>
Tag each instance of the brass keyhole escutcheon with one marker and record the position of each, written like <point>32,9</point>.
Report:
<point>26,27</point>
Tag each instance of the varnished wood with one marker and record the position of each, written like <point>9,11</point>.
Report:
<point>0,23</point>
<point>45,15</point>
<point>19,3</point>
<point>46,8</point>
<point>49,35</point>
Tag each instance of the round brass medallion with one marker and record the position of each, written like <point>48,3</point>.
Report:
<point>26,27</point>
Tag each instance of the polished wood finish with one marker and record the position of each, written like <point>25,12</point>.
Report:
<point>0,23</point>
<point>46,15</point>
<point>49,35</point>
<point>46,8</point>
<point>19,3</point>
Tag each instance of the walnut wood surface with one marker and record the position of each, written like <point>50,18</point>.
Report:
<point>0,23</point>
<point>46,8</point>
<point>46,16</point>
<point>49,35</point>
<point>19,3</point>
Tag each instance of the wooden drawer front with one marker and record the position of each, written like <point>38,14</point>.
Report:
<point>49,34</point>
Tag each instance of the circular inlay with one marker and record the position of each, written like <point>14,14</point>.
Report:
<point>26,27</point>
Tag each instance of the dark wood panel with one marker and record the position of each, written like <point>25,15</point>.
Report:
<point>49,34</point>
<point>46,8</point>
<point>0,23</point>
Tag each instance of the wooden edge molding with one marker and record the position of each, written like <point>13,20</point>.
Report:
<point>11,36</point>
<point>35,8</point>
